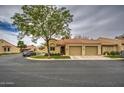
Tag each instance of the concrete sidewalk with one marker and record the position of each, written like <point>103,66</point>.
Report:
<point>81,58</point>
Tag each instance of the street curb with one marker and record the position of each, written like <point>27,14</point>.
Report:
<point>45,59</point>
<point>29,58</point>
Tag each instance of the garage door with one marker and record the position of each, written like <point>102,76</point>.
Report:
<point>75,50</point>
<point>91,50</point>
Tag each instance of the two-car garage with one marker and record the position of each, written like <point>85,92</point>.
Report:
<point>77,50</point>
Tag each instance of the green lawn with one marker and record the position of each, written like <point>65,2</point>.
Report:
<point>7,53</point>
<point>51,57</point>
<point>114,56</point>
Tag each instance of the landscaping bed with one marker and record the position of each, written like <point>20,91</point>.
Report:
<point>114,56</point>
<point>51,57</point>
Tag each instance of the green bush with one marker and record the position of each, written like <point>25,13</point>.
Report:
<point>114,53</point>
<point>53,54</point>
<point>111,53</point>
<point>117,53</point>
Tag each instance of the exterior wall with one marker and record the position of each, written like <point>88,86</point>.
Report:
<point>109,48</point>
<point>83,50</point>
<point>13,49</point>
<point>67,50</point>
<point>122,47</point>
<point>52,43</point>
<point>99,50</point>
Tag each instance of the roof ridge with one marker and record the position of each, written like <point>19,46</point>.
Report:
<point>8,42</point>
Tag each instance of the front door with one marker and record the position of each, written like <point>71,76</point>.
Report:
<point>63,50</point>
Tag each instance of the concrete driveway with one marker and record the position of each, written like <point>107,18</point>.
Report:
<point>15,71</point>
<point>90,58</point>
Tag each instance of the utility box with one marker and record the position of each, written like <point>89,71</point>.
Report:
<point>122,53</point>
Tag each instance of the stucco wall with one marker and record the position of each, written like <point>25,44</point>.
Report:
<point>122,47</point>
<point>52,43</point>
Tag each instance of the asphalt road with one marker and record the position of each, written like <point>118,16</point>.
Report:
<point>15,71</point>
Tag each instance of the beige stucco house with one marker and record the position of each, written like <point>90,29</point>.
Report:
<point>85,47</point>
<point>30,48</point>
<point>6,47</point>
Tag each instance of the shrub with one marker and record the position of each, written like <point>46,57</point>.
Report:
<point>117,53</point>
<point>114,53</point>
<point>53,54</point>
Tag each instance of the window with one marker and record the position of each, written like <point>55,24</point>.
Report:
<point>52,48</point>
<point>8,49</point>
<point>4,49</point>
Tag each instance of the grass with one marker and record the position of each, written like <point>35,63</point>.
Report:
<point>7,53</point>
<point>51,57</point>
<point>114,56</point>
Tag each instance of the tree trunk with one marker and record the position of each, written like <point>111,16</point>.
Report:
<point>48,48</point>
<point>20,49</point>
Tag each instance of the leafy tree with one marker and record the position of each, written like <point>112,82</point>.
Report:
<point>66,37</point>
<point>42,21</point>
<point>21,45</point>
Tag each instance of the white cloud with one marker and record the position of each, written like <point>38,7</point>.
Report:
<point>7,11</point>
<point>12,38</point>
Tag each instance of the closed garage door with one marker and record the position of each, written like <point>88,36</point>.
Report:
<point>75,50</point>
<point>91,50</point>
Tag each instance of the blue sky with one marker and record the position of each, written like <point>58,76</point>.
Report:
<point>91,21</point>
<point>7,27</point>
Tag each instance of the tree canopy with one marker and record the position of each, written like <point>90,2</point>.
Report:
<point>43,21</point>
<point>21,45</point>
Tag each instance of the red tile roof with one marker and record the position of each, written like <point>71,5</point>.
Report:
<point>103,41</point>
<point>76,41</point>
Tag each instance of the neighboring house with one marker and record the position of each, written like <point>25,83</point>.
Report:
<point>30,48</point>
<point>6,47</point>
<point>82,47</point>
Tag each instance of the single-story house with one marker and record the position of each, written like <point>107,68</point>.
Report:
<point>6,47</point>
<point>30,48</point>
<point>85,47</point>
